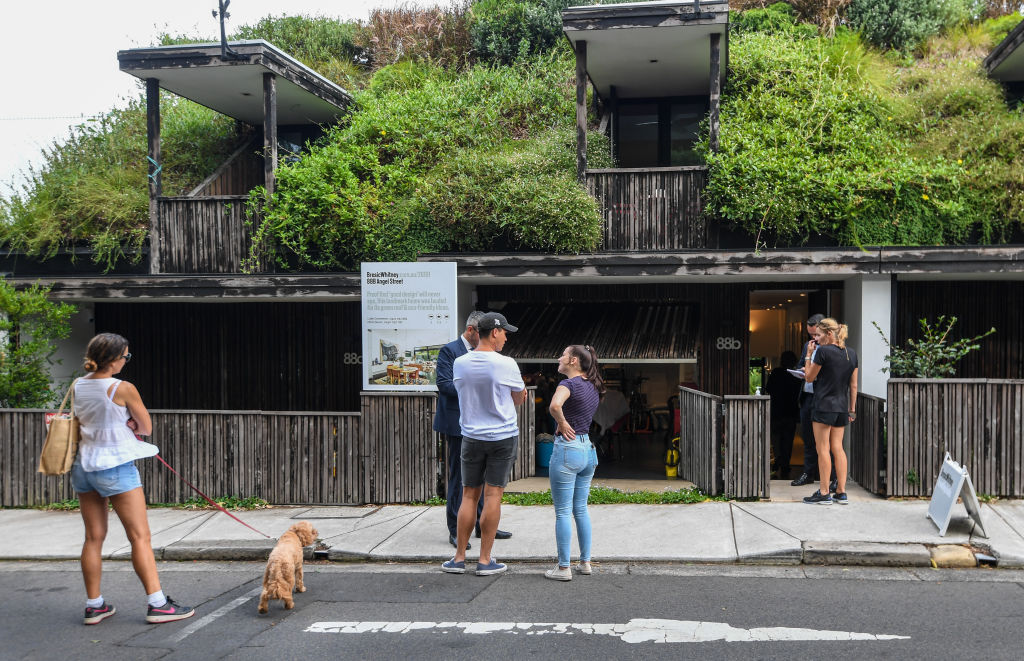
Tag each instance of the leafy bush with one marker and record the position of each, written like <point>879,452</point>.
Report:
<point>778,18</point>
<point>92,187</point>
<point>30,325</point>
<point>330,47</point>
<point>903,24</point>
<point>508,30</point>
<point>370,190</point>
<point>933,356</point>
<point>827,137</point>
<point>524,193</point>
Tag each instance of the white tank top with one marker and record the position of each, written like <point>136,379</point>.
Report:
<point>106,441</point>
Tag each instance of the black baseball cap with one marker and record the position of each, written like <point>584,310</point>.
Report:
<point>493,320</point>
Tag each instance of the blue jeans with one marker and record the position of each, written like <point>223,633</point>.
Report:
<point>570,471</point>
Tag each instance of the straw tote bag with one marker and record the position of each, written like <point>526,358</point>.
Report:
<point>61,439</point>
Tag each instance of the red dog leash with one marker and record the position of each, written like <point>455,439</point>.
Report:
<point>208,499</point>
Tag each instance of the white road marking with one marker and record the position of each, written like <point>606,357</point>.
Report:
<point>634,631</point>
<point>196,625</point>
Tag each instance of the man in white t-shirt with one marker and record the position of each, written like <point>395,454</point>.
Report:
<point>490,387</point>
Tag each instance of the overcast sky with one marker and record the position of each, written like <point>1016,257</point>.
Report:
<point>62,57</point>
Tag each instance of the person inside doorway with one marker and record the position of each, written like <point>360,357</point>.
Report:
<point>784,389</point>
<point>810,472</point>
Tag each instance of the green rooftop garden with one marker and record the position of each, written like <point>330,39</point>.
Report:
<point>834,124</point>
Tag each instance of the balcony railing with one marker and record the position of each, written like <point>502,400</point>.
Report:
<point>201,234</point>
<point>651,209</point>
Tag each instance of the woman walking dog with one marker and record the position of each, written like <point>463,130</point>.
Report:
<point>832,367</point>
<point>111,413</point>
<point>573,458</point>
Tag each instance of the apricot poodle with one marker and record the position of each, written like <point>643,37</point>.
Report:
<point>284,566</point>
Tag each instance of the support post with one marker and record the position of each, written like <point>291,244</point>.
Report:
<point>716,91</point>
<point>269,131</point>
<point>154,170</point>
<point>613,129</point>
<point>581,111</point>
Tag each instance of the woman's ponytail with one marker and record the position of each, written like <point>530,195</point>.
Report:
<point>589,365</point>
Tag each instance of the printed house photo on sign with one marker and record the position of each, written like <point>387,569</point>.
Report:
<point>405,357</point>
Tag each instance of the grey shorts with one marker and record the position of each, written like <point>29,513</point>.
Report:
<point>488,462</point>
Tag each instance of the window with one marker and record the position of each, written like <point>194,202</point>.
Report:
<point>659,132</point>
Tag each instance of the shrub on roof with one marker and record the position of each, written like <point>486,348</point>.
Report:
<point>904,24</point>
<point>368,191</point>
<point>828,137</point>
<point>92,187</point>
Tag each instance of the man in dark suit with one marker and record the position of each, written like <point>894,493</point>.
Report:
<point>446,423</point>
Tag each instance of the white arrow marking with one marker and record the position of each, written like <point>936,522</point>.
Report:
<point>634,631</point>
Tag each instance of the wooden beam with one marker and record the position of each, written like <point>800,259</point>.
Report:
<point>716,90</point>
<point>581,110</point>
<point>154,170</point>
<point>269,131</point>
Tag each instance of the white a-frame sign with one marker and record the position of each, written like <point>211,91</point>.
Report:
<point>952,480</point>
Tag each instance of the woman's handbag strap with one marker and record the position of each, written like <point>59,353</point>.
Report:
<point>70,393</point>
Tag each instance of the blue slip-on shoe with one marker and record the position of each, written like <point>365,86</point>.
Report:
<point>494,567</point>
<point>452,567</point>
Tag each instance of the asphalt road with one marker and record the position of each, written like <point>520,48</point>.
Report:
<point>622,612</point>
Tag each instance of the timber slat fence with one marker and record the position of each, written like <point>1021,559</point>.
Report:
<point>867,444</point>
<point>725,443</point>
<point>386,453</point>
<point>202,234</point>
<point>980,422</point>
<point>746,446</point>
<point>700,439</point>
<point>650,208</point>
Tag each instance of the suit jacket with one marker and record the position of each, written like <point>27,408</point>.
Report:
<point>446,420</point>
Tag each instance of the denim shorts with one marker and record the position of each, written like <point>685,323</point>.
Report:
<point>488,462</point>
<point>107,482</point>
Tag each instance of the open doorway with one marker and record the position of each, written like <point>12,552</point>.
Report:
<point>777,336</point>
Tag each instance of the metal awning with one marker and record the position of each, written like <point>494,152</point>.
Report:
<point>1006,61</point>
<point>619,332</point>
<point>649,49</point>
<point>234,87</point>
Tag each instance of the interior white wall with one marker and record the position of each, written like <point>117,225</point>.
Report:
<point>868,299</point>
<point>67,361</point>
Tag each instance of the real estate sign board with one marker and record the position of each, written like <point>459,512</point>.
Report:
<point>409,313</point>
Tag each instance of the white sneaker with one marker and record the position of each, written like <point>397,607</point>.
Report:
<point>584,568</point>
<point>559,574</point>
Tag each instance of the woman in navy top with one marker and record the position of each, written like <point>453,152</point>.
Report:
<point>832,367</point>
<point>574,457</point>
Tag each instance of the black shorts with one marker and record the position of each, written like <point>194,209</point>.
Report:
<point>831,418</point>
<point>488,462</point>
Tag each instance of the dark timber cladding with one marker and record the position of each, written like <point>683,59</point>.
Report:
<point>650,208</point>
<point>978,306</point>
<point>723,311</point>
<point>241,356</point>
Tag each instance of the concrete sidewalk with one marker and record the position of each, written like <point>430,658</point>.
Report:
<point>866,532</point>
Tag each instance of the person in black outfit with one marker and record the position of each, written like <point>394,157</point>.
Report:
<point>446,423</point>
<point>833,369</point>
<point>810,472</point>
<point>784,389</point>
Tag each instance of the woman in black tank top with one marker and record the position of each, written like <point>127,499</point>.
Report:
<point>832,367</point>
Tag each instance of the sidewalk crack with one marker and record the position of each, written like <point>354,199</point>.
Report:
<point>397,531</point>
<point>767,523</point>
